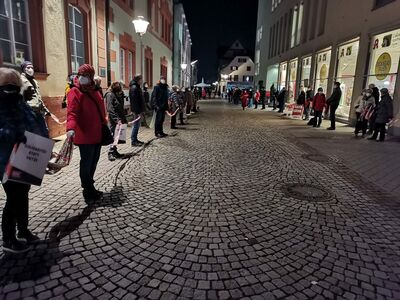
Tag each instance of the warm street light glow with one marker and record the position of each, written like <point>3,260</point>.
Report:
<point>194,62</point>
<point>140,25</point>
<point>183,66</point>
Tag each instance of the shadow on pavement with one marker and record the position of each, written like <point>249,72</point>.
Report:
<point>38,262</point>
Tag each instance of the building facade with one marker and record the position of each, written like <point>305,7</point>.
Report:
<point>239,70</point>
<point>60,35</point>
<point>182,71</point>
<point>316,42</point>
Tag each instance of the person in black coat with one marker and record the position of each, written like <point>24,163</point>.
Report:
<point>147,107</point>
<point>114,100</point>
<point>375,94</point>
<point>333,102</point>
<point>281,99</point>
<point>137,106</point>
<point>159,100</point>
<point>263,94</point>
<point>301,99</point>
<point>384,114</point>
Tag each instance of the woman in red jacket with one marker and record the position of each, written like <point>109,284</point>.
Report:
<point>85,117</point>
<point>319,103</point>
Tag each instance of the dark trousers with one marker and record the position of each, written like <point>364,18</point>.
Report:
<point>263,103</point>
<point>173,121</point>
<point>361,125</point>
<point>255,104</point>
<point>318,118</point>
<point>281,105</point>
<point>332,116</point>
<point>181,118</point>
<point>381,129</point>
<point>90,155</point>
<point>16,209</point>
<point>160,117</point>
<point>188,109</point>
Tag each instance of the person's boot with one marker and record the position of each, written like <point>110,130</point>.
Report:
<point>14,246</point>
<point>111,156</point>
<point>116,154</point>
<point>27,236</point>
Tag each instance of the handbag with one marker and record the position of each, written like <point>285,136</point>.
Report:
<point>106,136</point>
<point>62,158</point>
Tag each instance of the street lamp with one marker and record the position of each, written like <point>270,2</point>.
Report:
<point>140,25</point>
<point>183,67</point>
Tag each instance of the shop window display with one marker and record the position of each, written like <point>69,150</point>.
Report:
<point>345,74</point>
<point>384,62</point>
<point>322,70</point>
<point>282,74</point>
<point>305,73</point>
<point>293,79</point>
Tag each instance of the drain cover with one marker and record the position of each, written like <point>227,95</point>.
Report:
<point>309,192</point>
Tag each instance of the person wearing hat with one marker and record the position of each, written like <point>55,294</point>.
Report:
<point>159,100</point>
<point>85,119</point>
<point>384,114</point>
<point>137,106</point>
<point>16,117</point>
<point>365,102</point>
<point>31,92</point>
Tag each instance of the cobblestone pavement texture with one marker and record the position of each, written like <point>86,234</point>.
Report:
<point>213,212</point>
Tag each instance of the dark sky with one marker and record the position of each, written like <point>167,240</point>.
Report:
<point>219,22</point>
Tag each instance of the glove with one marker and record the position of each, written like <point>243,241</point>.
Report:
<point>71,133</point>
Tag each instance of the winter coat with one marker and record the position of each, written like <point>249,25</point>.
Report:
<point>115,107</point>
<point>146,97</point>
<point>263,94</point>
<point>174,102</point>
<point>85,115</point>
<point>363,103</point>
<point>36,103</point>
<point>245,99</point>
<point>159,97</point>
<point>319,102</point>
<point>334,99</point>
<point>282,96</point>
<point>375,94</point>
<point>301,99</point>
<point>189,98</point>
<point>136,98</point>
<point>384,111</point>
<point>13,123</point>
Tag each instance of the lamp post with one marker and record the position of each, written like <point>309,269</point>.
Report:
<point>140,25</point>
<point>192,66</point>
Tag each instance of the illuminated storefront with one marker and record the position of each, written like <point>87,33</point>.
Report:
<point>305,74</point>
<point>345,74</point>
<point>272,76</point>
<point>322,60</point>
<point>282,74</point>
<point>293,79</point>
<point>384,62</point>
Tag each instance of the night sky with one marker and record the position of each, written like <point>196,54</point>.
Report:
<point>219,22</point>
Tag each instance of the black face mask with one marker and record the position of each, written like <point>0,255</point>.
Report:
<point>9,92</point>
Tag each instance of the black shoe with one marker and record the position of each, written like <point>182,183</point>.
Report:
<point>330,128</point>
<point>111,156</point>
<point>15,247</point>
<point>117,155</point>
<point>371,138</point>
<point>137,144</point>
<point>174,127</point>
<point>27,237</point>
<point>91,194</point>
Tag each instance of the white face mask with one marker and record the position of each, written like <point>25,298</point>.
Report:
<point>368,94</point>
<point>146,86</point>
<point>30,71</point>
<point>83,80</point>
<point>162,81</point>
<point>320,92</point>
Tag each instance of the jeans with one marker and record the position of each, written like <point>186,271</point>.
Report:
<point>90,155</point>
<point>16,209</point>
<point>318,118</point>
<point>332,116</point>
<point>160,117</point>
<point>135,128</point>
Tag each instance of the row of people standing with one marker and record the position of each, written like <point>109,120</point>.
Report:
<point>247,97</point>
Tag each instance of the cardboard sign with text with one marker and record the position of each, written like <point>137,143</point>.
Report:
<point>297,112</point>
<point>28,161</point>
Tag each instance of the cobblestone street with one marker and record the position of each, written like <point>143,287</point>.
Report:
<point>239,205</point>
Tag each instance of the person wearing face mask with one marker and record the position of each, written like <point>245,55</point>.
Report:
<point>85,119</point>
<point>384,114</point>
<point>159,100</point>
<point>319,103</point>
<point>174,105</point>
<point>16,117</point>
<point>114,99</point>
<point>137,106</point>
<point>31,92</point>
<point>364,102</point>
<point>97,85</point>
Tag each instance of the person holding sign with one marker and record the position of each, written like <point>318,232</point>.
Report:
<point>85,120</point>
<point>16,117</point>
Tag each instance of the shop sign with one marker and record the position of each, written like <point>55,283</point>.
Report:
<point>297,112</point>
<point>383,65</point>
